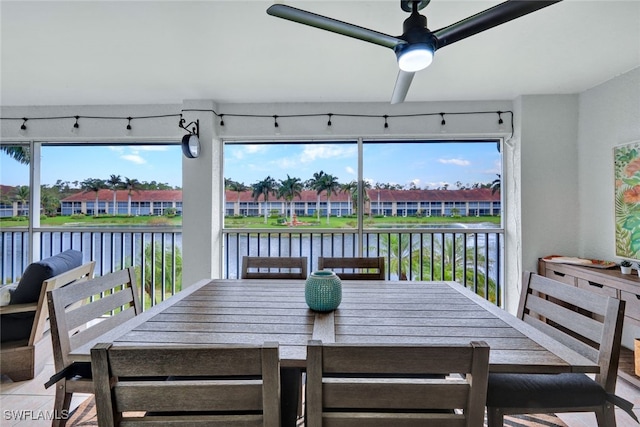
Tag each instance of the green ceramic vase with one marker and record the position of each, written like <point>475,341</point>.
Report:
<point>323,291</point>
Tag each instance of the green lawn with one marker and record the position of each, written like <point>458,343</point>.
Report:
<point>245,222</point>
<point>61,221</point>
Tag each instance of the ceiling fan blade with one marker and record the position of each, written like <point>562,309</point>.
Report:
<point>403,81</point>
<point>504,12</point>
<point>333,25</point>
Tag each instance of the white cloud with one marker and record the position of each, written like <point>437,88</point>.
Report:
<point>415,182</point>
<point>457,162</point>
<point>255,148</point>
<point>152,147</point>
<point>350,170</point>
<point>134,158</point>
<point>323,151</point>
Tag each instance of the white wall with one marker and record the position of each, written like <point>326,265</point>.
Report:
<point>542,186</point>
<point>609,116</point>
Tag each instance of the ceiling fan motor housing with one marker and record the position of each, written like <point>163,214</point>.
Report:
<point>416,34</point>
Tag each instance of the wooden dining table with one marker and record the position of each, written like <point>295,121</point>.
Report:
<point>254,311</point>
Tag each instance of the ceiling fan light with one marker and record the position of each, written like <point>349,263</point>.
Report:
<point>415,57</point>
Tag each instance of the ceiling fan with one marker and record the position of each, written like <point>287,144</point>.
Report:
<point>417,44</point>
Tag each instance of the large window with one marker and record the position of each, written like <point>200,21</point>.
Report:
<point>405,183</point>
<point>290,184</point>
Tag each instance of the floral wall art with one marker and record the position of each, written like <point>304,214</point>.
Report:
<point>627,200</point>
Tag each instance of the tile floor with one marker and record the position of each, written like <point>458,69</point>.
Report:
<point>36,402</point>
<point>29,400</point>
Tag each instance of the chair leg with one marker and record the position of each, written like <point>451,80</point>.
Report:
<point>606,415</point>
<point>495,417</point>
<point>61,406</point>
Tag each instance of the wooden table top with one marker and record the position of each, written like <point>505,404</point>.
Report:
<point>381,312</point>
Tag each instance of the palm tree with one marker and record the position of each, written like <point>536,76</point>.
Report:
<point>21,195</point>
<point>288,189</point>
<point>450,263</point>
<point>50,203</point>
<point>315,183</point>
<point>330,184</point>
<point>264,188</point>
<point>238,187</point>
<point>95,185</point>
<point>130,185</point>
<point>495,184</point>
<point>19,153</point>
<point>351,188</point>
<point>115,183</point>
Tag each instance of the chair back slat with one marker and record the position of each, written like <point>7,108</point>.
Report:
<point>396,385</point>
<point>100,327</point>
<point>187,385</point>
<point>274,267</point>
<point>166,395</point>
<point>381,359</point>
<point>588,327</point>
<point>226,361</point>
<point>96,286</point>
<point>354,268</point>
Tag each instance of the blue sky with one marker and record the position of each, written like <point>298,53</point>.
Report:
<point>426,164</point>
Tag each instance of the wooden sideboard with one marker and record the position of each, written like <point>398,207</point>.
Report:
<point>610,282</point>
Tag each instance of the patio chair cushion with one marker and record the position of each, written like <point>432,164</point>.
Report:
<point>28,289</point>
<point>16,327</point>
<point>543,391</point>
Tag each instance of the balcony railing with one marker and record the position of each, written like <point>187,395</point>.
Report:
<point>155,253</point>
<point>470,256</point>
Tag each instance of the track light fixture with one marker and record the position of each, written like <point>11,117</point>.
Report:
<point>329,124</point>
<point>76,125</point>
<point>443,124</point>
<point>500,122</point>
<point>221,120</point>
<point>129,123</point>
<point>23,128</point>
<point>276,125</point>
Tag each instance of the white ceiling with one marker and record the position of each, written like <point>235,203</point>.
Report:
<point>124,52</point>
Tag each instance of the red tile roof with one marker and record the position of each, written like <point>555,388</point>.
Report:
<point>475,195</point>
<point>123,196</point>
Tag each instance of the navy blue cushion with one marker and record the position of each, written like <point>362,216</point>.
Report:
<point>16,327</point>
<point>543,391</point>
<point>28,289</point>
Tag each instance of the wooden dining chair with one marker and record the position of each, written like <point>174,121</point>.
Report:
<point>274,267</point>
<point>77,319</point>
<point>354,268</point>
<point>388,385</point>
<point>186,386</point>
<point>584,321</point>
